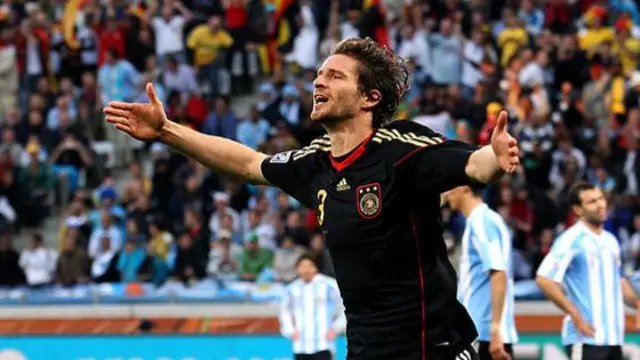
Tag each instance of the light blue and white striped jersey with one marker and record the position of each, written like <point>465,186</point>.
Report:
<point>486,246</point>
<point>590,268</point>
<point>312,309</point>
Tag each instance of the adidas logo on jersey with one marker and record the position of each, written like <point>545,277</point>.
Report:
<point>342,185</point>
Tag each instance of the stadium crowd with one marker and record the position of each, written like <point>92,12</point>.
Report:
<point>567,72</point>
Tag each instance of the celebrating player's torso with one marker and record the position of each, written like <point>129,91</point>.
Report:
<point>374,206</point>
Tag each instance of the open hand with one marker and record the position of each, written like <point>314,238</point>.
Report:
<point>504,145</point>
<point>142,121</point>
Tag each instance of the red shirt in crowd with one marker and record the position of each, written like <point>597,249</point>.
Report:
<point>236,16</point>
<point>110,39</point>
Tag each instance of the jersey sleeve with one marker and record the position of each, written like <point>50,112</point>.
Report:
<point>555,264</point>
<point>290,173</point>
<point>440,167</point>
<point>428,161</point>
<point>489,243</point>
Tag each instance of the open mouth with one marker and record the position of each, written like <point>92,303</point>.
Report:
<point>319,99</point>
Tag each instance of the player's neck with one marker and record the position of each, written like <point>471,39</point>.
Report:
<point>597,229</point>
<point>471,204</point>
<point>347,135</point>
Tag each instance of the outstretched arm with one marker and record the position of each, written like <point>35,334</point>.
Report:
<point>216,153</point>
<point>148,122</point>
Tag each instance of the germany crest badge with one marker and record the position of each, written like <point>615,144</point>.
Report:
<point>369,200</point>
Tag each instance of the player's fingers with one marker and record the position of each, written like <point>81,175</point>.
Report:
<point>151,93</point>
<point>116,112</point>
<point>512,141</point>
<point>121,105</point>
<point>501,124</point>
<point>112,119</point>
<point>123,127</point>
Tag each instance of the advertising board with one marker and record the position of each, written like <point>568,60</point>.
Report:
<point>221,347</point>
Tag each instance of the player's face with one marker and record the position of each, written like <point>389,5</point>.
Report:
<point>593,206</point>
<point>336,95</point>
<point>307,269</point>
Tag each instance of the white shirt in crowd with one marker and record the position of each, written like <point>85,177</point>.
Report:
<point>215,220</point>
<point>417,47</point>
<point>101,263</point>
<point>439,123</point>
<point>182,80</point>
<point>473,54</point>
<point>39,265</point>
<point>168,35</point>
<point>113,233</point>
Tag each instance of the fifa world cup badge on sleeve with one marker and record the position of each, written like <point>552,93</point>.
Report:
<point>281,158</point>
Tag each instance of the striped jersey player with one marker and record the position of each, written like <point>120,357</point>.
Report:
<point>582,275</point>
<point>311,313</point>
<point>485,283</point>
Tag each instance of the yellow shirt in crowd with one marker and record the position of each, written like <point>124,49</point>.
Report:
<point>591,39</point>
<point>629,62</point>
<point>510,40</point>
<point>206,44</point>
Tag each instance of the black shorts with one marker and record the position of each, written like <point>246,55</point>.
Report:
<point>594,352</point>
<point>322,355</point>
<point>484,354</point>
<point>465,352</point>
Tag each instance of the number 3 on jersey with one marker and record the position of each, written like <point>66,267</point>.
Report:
<point>322,196</point>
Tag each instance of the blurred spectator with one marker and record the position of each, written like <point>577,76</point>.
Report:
<point>254,260</point>
<point>160,239</point>
<point>73,264</point>
<point>224,257</point>
<point>38,181</point>
<point>222,209</point>
<point>106,229</point>
<point>38,262</point>
<point>208,42</point>
<point>11,274</point>
<point>254,130</point>
<point>104,268</point>
<point>117,79</point>
<point>221,121</point>
<point>264,231</point>
<point>130,261</point>
<point>168,28</point>
<point>285,259</point>
<point>179,78</point>
<point>190,263</point>
<point>296,229</point>
<point>321,255</point>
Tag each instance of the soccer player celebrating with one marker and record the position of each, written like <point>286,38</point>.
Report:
<point>586,260</point>
<point>485,284</point>
<point>375,184</point>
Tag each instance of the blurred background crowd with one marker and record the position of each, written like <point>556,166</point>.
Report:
<point>80,203</point>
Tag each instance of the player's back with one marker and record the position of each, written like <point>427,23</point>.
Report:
<point>589,267</point>
<point>379,209</point>
<point>486,246</point>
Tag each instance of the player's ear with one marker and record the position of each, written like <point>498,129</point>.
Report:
<point>371,99</point>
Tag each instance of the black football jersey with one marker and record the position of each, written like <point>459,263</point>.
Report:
<point>379,210</point>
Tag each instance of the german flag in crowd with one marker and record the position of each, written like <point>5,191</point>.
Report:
<point>71,10</point>
<point>374,22</point>
<point>284,31</point>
